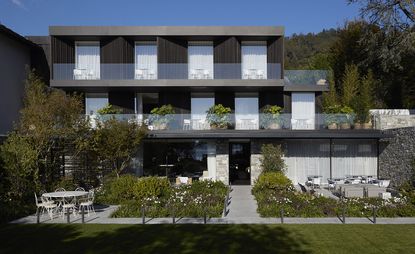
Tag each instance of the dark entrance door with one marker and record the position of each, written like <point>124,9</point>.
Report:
<point>239,163</point>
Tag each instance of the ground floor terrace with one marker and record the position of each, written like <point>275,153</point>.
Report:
<point>237,161</point>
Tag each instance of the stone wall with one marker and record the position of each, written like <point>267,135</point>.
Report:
<point>385,122</point>
<point>397,154</point>
<point>222,161</point>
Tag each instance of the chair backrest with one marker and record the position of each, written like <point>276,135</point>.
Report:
<point>260,72</point>
<point>193,71</point>
<point>206,72</point>
<point>77,72</point>
<point>36,200</point>
<point>186,121</point>
<point>79,189</point>
<point>59,189</point>
<point>139,72</point>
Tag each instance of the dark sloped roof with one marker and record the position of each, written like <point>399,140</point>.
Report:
<point>15,36</point>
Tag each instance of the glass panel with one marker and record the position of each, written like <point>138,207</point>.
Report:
<point>145,62</point>
<point>200,104</point>
<point>94,102</point>
<point>87,60</point>
<point>254,62</point>
<point>200,62</point>
<point>246,111</point>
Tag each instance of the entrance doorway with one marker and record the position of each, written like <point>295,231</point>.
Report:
<point>239,163</point>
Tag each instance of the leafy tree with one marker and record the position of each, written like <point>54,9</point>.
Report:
<point>109,109</point>
<point>116,142</point>
<point>350,85</point>
<point>364,101</point>
<point>272,158</point>
<point>330,98</point>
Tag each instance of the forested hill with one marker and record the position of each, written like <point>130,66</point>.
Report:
<point>302,48</point>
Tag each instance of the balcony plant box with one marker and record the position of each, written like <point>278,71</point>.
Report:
<point>161,117</point>
<point>270,118</point>
<point>218,117</point>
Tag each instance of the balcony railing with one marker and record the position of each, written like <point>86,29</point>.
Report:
<point>164,71</point>
<point>306,77</point>
<point>187,122</point>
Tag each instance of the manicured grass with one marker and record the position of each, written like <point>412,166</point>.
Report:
<point>257,239</point>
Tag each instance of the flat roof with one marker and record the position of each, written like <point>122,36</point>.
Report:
<point>166,30</point>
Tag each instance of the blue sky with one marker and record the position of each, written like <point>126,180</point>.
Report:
<point>32,17</point>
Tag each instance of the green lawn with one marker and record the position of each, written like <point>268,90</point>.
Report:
<point>256,239</point>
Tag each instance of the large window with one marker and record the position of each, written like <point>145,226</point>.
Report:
<point>145,60</point>
<point>94,102</point>
<point>254,60</point>
<point>87,60</point>
<point>246,111</point>
<point>200,60</point>
<point>303,111</point>
<point>200,104</point>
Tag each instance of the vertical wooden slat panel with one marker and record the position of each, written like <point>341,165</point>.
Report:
<point>287,102</point>
<point>275,55</point>
<point>63,50</point>
<point>227,58</point>
<point>172,58</point>
<point>117,58</point>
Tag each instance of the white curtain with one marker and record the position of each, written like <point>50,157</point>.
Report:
<point>306,158</point>
<point>87,60</point>
<point>254,62</point>
<point>354,157</point>
<point>200,61</point>
<point>246,111</point>
<point>146,61</point>
<point>303,111</point>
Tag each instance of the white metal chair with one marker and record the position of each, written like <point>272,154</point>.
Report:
<point>246,74</point>
<point>151,74</point>
<point>78,74</point>
<point>139,74</point>
<point>79,189</point>
<point>44,204</point>
<point>88,203</point>
<point>60,189</point>
<point>91,75</point>
<point>294,124</point>
<point>68,206</point>
<point>260,74</point>
<point>193,74</point>
<point>186,124</point>
<point>316,182</point>
<point>206,74</point>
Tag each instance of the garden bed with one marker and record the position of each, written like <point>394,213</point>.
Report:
<point>161,199</point>
<point>274,193</point>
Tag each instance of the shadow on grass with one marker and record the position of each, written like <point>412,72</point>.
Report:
<point>150,239</point>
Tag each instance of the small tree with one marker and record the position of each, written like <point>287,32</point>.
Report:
<point>116,142</point>
<point>364,101</point>
<point>330,98</point>
<point>272,158</point>
<point>350,85</point>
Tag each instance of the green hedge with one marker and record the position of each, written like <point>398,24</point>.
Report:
<point>274,191</point>
<point>161,199</point>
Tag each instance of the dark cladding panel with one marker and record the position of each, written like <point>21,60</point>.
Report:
<point>227,99</point>
<point>117,58</point>
<point>319,102</point>
<point>63,50</point>
<point>271,98</point>
<point>227,58</point>
<point>172,58</point>
<point>123,100</point>
<point>275,53</point>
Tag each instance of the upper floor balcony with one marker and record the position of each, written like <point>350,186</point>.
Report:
<point>269,71</point>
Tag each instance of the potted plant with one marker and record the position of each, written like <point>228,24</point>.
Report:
<point>332,116</point>
<point>270,118</point>
<point>218,116</point>
<point>161,117</point>
<point>346,118</point>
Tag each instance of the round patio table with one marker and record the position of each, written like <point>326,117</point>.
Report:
<point>65,194</point>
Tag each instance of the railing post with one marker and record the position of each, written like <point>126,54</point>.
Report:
<point>68,220</point>
<point>374,214</point>
<point>282,215</point>
<point>83,213</point>
<point>143,214</point>
<point>37,216</point>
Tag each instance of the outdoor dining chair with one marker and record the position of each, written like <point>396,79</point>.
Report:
<point>44,204</point>
<point>88,203</point>
<point>60,189</point>
<point>79,189</point>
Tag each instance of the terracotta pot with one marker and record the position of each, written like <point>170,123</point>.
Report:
<point>332,126</point>
<point>217,127</point>
<point>274,126</point>
<point>367,126</point>
<point>358,126</point>
<point>161,126</point>
<point>345,126</point>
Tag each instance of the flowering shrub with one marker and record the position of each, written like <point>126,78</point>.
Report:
<point>162,200</point>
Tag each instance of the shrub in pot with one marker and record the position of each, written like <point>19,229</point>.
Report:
<point>218,116</point>
<point>161,117</point>
<point>347,116</point>
<point>270,117</point>
<point>332,116</point>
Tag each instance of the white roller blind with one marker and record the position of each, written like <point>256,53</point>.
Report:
<point>200,61</point>
<point>254,62</point>
<point>87,60</point>
<point>303,111</point>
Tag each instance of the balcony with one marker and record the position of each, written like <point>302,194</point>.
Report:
<point>164,71</point>
<point>306,77</point>
<point>189,122</point>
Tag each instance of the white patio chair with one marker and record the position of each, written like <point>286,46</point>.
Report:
<point>206,74</point>
<point>91,75</point>
<point>60,189</point>
<point>45,205</point>
<point>186,124</point>
<point>78,74</point>
<point>88,203</point>
<point>68,206</point>
<point>316,182</point>
<point>246,74</point>
<point>260,74</point>
<point>79,189</point>
<point>139,74</point>
<point>151,74</point>
<point>294,124</point>
<point>193,74</point>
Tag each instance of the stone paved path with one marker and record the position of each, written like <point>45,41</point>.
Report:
<point>242,203</point>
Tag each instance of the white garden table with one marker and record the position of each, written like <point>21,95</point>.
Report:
<point>65,194</point>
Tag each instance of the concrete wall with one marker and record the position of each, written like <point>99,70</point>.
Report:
<point>396,155</point>
<point>14,57</point>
